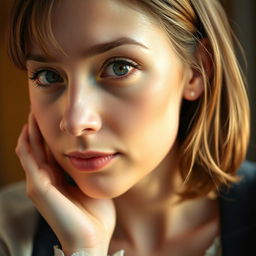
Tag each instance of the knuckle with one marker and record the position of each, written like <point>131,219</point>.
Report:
<point>21,149</point>
<point>18,150</point>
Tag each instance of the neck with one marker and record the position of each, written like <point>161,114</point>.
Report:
<point>148,214</point>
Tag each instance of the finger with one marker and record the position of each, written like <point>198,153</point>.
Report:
<point>24,153</point>
<point>41,151</point>
<point>38,179</point>
<point>36,141</point>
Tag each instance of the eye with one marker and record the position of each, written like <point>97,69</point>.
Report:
<point>119,68</point>
<point>46,77</point>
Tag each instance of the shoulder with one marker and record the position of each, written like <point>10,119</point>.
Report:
<point>18,219</point>
<point>237,202</point>
<point>14,193</point>
<point>237,213</point>
<point>247,173</point>
<point>14,202</point>
<point>246,186</point>
<point>248,169</point>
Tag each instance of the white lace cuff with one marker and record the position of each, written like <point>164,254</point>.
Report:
<point>59,252</point>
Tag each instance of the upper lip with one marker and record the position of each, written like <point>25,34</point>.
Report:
<point>87,154</point>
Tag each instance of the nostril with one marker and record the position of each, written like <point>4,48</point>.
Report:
<point>76,130</point>
<point>88,130</point>
<point>77,123</point>
<point>63,126</point>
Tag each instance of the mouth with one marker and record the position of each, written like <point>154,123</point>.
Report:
<point>90,161</point>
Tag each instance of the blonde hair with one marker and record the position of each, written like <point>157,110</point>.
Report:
<point>214,131</point>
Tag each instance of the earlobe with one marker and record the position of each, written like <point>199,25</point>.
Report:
<point>194,87</point>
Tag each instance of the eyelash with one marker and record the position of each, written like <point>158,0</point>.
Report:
<point>126,62</point>
<point>35,76</point>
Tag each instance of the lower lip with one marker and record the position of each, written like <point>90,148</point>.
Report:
<point>91,164</point>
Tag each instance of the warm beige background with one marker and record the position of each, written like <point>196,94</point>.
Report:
<point>13,106</point>
<point>13,90</point>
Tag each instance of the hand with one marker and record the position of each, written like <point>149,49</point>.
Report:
<point>77,220</point>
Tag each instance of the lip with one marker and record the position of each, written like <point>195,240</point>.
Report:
<point>90,160</point>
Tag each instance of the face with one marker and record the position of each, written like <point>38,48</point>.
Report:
<point>109,108</point>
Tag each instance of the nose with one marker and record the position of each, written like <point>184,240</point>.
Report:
<point>80,116</point>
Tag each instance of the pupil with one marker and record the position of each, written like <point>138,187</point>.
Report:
<point>120,69</point>
<point>51,77</point>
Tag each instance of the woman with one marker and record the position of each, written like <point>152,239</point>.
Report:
<point>139,117</point>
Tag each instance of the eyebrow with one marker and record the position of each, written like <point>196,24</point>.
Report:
<point>94,50</point>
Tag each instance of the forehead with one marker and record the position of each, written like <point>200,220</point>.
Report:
<point>79,24</point>
<point>98,14</point>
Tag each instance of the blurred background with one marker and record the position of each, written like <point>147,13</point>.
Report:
<point>14,105</point>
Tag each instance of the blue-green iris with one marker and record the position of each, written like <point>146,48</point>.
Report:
<point>121,68</point>
<point>51,77</point>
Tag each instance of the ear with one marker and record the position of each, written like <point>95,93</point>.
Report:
<point>195,85</point>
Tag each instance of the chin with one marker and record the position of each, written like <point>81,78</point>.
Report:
<point>103,192</point>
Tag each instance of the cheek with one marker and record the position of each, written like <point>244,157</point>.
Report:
<point>47,116</point>
<point>148,122</point>
<point>152,104</point>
